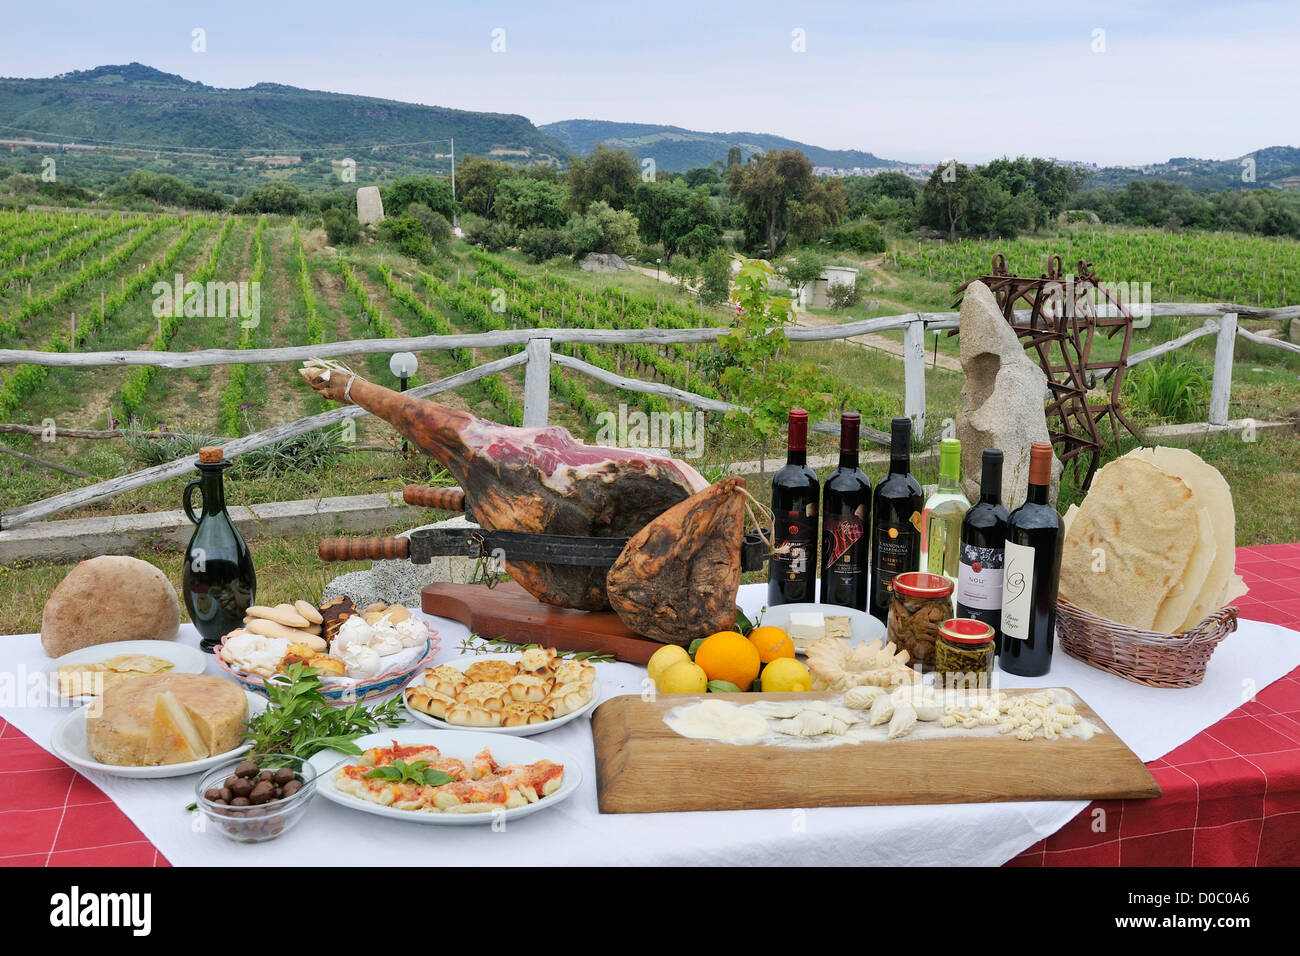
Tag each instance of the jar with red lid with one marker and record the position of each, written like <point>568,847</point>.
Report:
<point>920,602</point>
<point>964,655</point>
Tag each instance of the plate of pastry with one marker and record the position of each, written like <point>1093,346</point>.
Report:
<point>84,674</point>
<point>808,623</point>
<point>519,694</point>
<point>451,779</point>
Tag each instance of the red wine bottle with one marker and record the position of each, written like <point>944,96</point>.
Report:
<point>896,526</point>
<point>983,546</point>
<point>846,511</point>
<point>1030,575</point>
<point>792,572</point>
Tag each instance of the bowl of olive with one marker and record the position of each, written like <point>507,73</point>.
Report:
<point>258,797</point>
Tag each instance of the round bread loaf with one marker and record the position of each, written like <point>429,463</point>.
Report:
<point>106,599</point>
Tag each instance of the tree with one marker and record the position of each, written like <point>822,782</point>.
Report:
<point>540,244</point>
<point>807,267</point>
<point>608,175</point>
<point>961,199</point>
<point>678,217</point>
<point>410,237</point>
<point>714,278</point>
<point>602,229</point>
<point>733,156</point>
<point>427,190</point>
<point>528,203</point>
<point>778,194</point>
<point>435,224</point>
<point>477,180</point>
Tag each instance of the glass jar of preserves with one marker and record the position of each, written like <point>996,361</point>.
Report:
<point>919,604</point>
<point>963,657</point>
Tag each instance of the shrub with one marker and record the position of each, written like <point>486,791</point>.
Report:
<point>428,191</point>
<point>841,295</point>
<point>715,278</point>
<point>282,198</point>
<point>860,237</point>
<point>602,229</point>
<point>542,244</point>
<point>435,224</point>
<point>410,237</point>
<point>341,227</point>
<point>492,236</point>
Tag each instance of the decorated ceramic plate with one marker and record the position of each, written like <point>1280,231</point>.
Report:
<point>460,663</point>
<point>462,745</point>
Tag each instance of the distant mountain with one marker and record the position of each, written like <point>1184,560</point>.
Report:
<point>675,149</point>
<point>136,104</point>
<point>1276,167</point>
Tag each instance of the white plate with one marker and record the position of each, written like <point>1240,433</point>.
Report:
<point>863,626</point>
<point>529,730</point>
<point>184,658</point>
<point>463,744</point>
<point>69,744</point>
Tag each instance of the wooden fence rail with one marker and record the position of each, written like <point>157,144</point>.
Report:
<point>537,357</point>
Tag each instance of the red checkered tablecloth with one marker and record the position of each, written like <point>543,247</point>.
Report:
<point>1231,794</point>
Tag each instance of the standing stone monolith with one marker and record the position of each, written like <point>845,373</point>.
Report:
<point>370,207</point>
<point>1002,399</point>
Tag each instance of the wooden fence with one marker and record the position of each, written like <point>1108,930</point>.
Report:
<point>537,356</point>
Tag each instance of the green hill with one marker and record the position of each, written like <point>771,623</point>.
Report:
<point>675,149</point>
<point>139,117</point>
<point>1276,167</point>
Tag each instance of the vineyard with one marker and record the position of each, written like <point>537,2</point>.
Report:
<point>72,282</point>
<point>1181,267</point>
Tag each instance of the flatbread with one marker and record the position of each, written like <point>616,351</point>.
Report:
<point>138,664</point>
<point>1067,519</point>
<point>1235,588</point>
<point>1172,613</point>
<point>1211,492</point>
<point>1129,544</point>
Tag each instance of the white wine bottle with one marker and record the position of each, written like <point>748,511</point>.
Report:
<point>942,516</point>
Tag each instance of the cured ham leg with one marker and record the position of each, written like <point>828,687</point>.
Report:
<point>539,480</point>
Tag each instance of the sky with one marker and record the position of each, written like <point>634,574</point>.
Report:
<point>1104,82</point>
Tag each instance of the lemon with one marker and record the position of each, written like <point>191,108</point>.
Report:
<point>664,658</point>
<point>785,674</point>
<point>683,677</point>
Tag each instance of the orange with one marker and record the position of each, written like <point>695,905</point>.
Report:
<point>771,642</point>
<point>729,656</point>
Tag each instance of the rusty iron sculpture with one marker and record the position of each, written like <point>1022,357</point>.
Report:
<point>1061,326</point>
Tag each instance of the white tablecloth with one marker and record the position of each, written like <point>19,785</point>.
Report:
<point>1152,722</point>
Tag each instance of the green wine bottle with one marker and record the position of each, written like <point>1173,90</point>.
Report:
<point>218,582</point>
<point>941,519</point>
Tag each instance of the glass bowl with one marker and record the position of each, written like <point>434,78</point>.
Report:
<point>256,823</point>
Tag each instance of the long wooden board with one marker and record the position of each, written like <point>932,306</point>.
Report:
<point>642,766</point>
<point>509,612</point>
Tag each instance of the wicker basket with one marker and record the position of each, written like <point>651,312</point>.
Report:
<point>1144,657</point>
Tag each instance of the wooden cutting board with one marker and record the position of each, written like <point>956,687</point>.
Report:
<point>642,766</point>
<point>509,612</point>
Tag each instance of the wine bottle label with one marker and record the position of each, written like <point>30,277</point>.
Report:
<point>840,548</point>
<point>895,554</point>
<point>796,544</point>
<point>1017,591</point>
<point>979,580</point>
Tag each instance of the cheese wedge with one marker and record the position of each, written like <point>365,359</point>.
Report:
<point>172,737</point>
<point>197,717</point>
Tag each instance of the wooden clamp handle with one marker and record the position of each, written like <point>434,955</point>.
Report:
<point>363,549</point>
<point>444,499</point>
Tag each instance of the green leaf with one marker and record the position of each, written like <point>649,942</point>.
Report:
<point>695,646</point>
<point>436,778</point>
<point>743,624</point>
<point>723,687</point>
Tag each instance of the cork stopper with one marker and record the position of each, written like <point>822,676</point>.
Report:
<point>210,454</point>
<point>1040,464</point>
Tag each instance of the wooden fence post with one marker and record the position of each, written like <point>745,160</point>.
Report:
<point>1221,389</point>
<point>914,375</point>
<point>537,383</point>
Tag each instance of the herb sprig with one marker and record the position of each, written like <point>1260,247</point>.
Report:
<point>301,721</point>
<point>399,771</point>
<point>477,644</point>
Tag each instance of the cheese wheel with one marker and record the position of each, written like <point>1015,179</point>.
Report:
<point>132,729</point>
